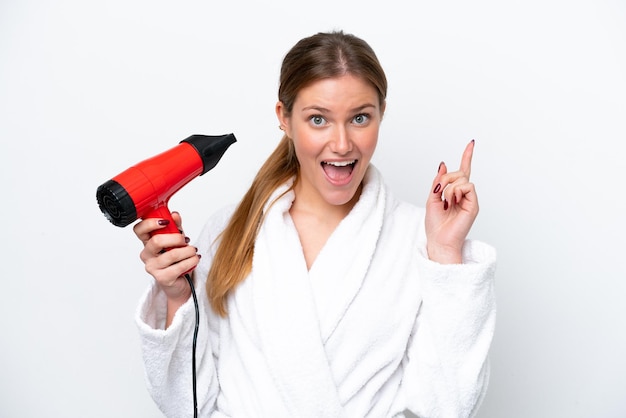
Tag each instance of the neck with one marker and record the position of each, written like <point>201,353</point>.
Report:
<point>315,206</point>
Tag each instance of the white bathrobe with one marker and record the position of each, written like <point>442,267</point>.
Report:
<point>374,328</point>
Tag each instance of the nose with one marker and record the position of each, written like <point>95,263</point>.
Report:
<point>341,143</point>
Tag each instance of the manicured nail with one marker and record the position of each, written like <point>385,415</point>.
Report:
<point>187,240</point>
<point>473,141</point>
<point>163,222</point>
<point>437,188</point>
<point>439,168</point>
<point>445,205</point>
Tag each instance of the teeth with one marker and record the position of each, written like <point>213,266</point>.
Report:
<point>340,163</point>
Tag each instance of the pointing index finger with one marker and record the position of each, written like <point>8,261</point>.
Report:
<point>466,160</point>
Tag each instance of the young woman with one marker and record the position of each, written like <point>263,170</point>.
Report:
<point>322,295</point>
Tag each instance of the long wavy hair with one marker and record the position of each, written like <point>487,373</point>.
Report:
<point>321,56</point>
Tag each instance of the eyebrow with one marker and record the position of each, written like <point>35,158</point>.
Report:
<point>325,110</point>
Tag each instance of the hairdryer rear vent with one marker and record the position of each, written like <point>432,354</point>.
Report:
<point>116,204</point>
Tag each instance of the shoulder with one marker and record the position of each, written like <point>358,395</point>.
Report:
<point>220,218</point>
<point>394,207</point>
<point>214,226</point>
<point>406,209</point>
<point>402,210</point>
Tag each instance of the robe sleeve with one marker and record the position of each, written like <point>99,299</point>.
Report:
<point>446,368</point>
<point>167,353</point>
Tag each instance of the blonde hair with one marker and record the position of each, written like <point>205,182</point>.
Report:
<point>324,55</point>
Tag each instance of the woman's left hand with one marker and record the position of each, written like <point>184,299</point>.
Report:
<point>451,210</point>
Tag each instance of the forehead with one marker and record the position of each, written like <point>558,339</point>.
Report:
<point>337,92</point>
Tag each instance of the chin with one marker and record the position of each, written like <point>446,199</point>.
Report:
<point>343,197</point>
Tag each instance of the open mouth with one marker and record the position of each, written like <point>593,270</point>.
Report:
<point>338,171</point>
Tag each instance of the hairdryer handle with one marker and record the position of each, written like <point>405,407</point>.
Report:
<point>162,212</point>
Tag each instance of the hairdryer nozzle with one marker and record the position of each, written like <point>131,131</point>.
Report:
<point>211,148</point>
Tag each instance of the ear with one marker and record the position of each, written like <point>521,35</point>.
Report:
<point>283,121</point>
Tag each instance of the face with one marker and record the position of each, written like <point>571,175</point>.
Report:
<point>334,125</point>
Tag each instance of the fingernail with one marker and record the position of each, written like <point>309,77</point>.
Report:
<point>163,222</point>
<point>445,205</point>
<point>439,168</point>
<point>437,188</point>
<point>473,141</point>
<point>199,256</point>
<point>187,240</point>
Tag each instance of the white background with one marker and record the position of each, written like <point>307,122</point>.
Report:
<point>89,88</point>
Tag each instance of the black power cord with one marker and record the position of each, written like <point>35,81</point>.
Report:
<point>195,339</point>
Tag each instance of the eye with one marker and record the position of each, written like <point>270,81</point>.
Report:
<point>361,119</point>
<point>317,120</point>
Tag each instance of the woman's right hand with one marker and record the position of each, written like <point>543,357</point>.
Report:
<point>167,257</point>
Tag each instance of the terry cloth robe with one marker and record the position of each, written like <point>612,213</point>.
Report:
<point>374,328</point>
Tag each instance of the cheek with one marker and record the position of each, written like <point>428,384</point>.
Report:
<point>307,146</point>
<point>373,144</point>
<point>305,156</point>
<point>368,144</point>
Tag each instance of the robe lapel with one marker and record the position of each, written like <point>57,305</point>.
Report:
<point>339,270</point>
<point>287,318</point>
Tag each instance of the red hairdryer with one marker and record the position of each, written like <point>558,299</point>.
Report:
<point>143,190</point>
